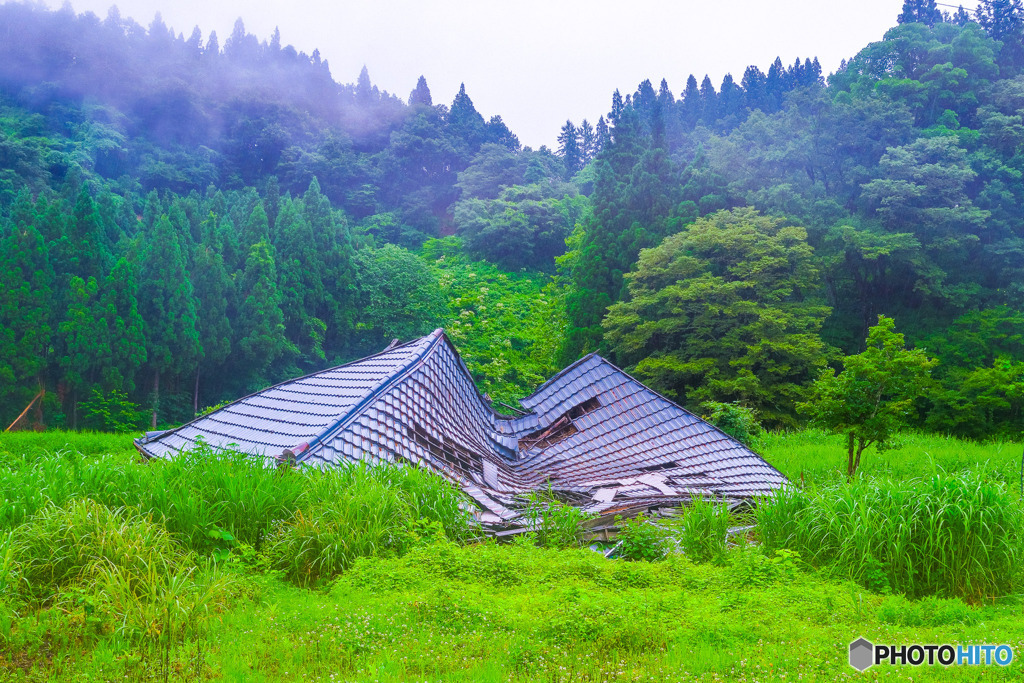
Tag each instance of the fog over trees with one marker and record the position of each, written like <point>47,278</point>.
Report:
<point>187,218</point>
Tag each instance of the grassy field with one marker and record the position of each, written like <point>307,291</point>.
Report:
<point>108,572</point>
<point>811,457</point>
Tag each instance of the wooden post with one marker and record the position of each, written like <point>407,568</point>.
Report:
<point>34,399</point>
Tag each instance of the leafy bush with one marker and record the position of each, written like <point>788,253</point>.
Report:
<point>553,523</point>
<point>111,412</point>
<point>948,535</point>
<point>751,568</point>
<point>639,539</point>
<point>736,420</point>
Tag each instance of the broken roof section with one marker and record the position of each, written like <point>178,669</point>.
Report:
<point>594,436</point>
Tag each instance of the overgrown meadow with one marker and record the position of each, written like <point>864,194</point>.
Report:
<point>215,567</point>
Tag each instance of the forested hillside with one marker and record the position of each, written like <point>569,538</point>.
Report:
<point>184,222</point>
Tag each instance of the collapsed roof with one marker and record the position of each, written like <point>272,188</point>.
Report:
<point>594,436</point>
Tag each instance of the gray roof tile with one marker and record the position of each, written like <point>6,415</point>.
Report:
<point>417,403</point>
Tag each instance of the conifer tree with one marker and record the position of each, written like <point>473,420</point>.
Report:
<point>754,82</point>
<point>465,123</point>
<point>84,340</point>
<point>420,96</point>
<point>795,75</point>
<point>1004,21</point>
<point>272,203</point>
<point>260,320</point>
<point>496,132</point>
<point>301,281</point>
<point>588,142</point>
<point>168,309</point>
<point>127,343</point>
<point>961,17</point>
<point>194,44</point>
<point>241,46</point>
<point>212,45</point>
<point>920,11</point>
<point>152,210</point>
<point>814,74</point>
<point>569,149</point>
<point>617,107</point>
<point>730,99</point>
<point>257,227</point>
<point>90,251</point>
<point>775,86</point>
<point>333,241</point>
<point>645,100</point>
<point>26,286</point>
<point>692,106</point>
<point>665,98</point>
<point>214,290</point>
<point>635,204</point>
<point>708,102</point>
<point>364,88</point>
<point>602,136</point>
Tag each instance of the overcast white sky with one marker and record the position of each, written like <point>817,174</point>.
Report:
<point>537,63</point>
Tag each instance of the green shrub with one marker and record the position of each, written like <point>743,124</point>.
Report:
<point>736,420</point>
<point>751,568</point>
<point>111,412</point>
<point>639,539</point>
<point>553,523</point>
<point>947,535</point>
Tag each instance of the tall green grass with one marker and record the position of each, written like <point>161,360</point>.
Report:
<point>191,495</point>
<point>34,444</point>
<point>947,534</point>
<point>321,519</point>
<point>111,546</point>
<point>116,566</point>
<point>704,528</point>
<point>364,511</point>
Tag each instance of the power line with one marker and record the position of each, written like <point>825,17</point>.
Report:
<point>970,11</point>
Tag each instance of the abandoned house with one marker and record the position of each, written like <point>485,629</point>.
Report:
<point>593,435</point>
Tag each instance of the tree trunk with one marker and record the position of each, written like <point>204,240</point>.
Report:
<point>860,449</point>
<point>74,410</point>
<point>156,397</point>
<point>39,408</point>
<point>850,467</point>
<point>195,395</point>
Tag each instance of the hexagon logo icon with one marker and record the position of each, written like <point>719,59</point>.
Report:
<point>861,654</point>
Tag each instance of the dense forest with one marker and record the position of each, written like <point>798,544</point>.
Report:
<point>184,222</point>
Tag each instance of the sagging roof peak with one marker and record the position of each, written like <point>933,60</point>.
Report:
<point>593,433</point>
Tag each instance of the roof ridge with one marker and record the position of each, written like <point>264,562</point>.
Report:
<point>146,438</point>
<point>559,375</point>
<point>434,338</point>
